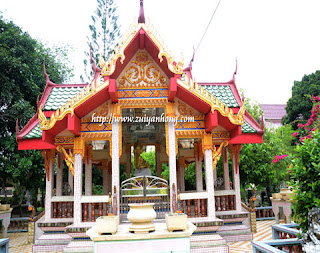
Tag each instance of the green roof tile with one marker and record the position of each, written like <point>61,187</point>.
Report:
<point>246,128</point>
<point>35,133</point>
<point>59,96</point>
<point>223,93</point>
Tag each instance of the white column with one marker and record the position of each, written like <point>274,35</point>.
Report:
<point>226,177</point>
<point>128,160</point>
<point>236,182</point>
<point>77,211</point>
<point>199,174</point>
<point>209,184</point>
<point>49,189</point>
<point>172,159</point>
<point>158,162</point>
<point>109,180</point>
<point>70,181</point>
<point>105,180</point>
<point>59,178</point>
<point>115,161</point>
<point>214,175</point>
<point>182,184</point>
<point>88,177</point>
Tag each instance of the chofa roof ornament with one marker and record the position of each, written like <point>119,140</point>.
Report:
<point>141,18</point>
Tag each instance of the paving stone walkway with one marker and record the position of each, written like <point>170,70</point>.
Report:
<point>19,241</point>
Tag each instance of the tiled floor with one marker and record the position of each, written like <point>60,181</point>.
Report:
<point>19,241</point>
<point>264,233</point>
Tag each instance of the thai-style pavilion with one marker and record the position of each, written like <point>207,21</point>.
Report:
<point>140,79</point>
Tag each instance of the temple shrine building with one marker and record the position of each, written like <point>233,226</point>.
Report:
<point>73,130</point>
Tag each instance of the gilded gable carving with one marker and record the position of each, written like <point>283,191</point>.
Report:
<point>142,72</point>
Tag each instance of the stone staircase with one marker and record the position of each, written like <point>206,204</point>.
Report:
<point>80,241</point>
<point>206,239</point>
<point>236,226</point>
<point>54,237</point>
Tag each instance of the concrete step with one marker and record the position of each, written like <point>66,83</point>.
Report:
<point>233,233</point>
<point>208,243</point>
<point>206,230</point>
<point>51,243</point>
<point>217,249</point>
<point>80,246</point>
<point>54,238</point>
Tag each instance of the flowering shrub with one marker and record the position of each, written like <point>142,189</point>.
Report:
<point>305,168</point>
<point>279,157</point>
<point>305,130</point>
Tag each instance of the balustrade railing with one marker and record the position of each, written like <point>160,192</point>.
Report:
<point>194,204</point>
<point>62,207</point>
<point>225,200</point>
<point>277,246</point>
<point>264,213</point>
<point>285,231</point>
<point>94,207</point>
<point>18,225</point>
<point>285,239</point>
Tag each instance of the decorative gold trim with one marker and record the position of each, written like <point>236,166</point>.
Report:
<point>48,155</point>
<point>86,93</point>
<point>97,136</point>
<point>220,135</point>
<point>143,103</point>
<point>207,142</point>
<point>93,136</point>
<point>69,159</point>
<point>89,152</point>
<point>167,138</point>
<point>79,146</point>
<point>142,70</point>
<point>116,110</point>
<point>216,154</point>
<point>170,109</point>
<point>120,139</point>
<point>188,134</point>
<point>108,68</point>
<point>215,104</point>
<point>235,150</point>
<point>63,140</point>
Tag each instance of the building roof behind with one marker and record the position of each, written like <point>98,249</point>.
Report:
<point>273,111</point>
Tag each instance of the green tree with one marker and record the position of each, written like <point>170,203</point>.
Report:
<point>305,167</point>
<point>104,31</point>
<point>299,105</point>
<point>260,163</point>
<point>22,80</point>
<point>305,175</point>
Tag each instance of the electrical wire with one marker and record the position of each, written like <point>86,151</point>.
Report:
<point>207,26</point>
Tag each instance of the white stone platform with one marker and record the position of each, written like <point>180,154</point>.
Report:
<point>161,240</point>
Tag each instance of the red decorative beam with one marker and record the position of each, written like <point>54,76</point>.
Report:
<point>235,132</point>
<point>172,88</point>
<point>247,138</point>
<point>48,138</point>
<point>74,124</point>
<point>31,144</point>
<point>211,121</point>
<point>141,39</point>
<point>113,91</point>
